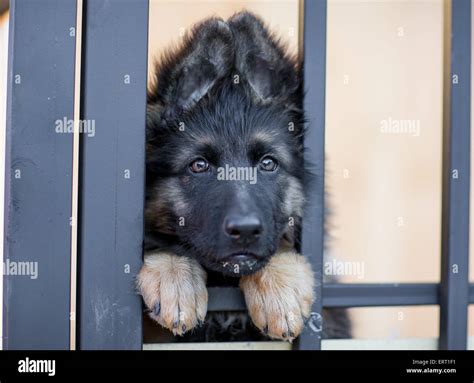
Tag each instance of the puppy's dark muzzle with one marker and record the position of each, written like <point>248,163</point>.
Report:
<point>243,231</point>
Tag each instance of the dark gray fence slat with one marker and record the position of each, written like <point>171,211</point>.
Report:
<point>456,173</point>
<point>314,71</point>
<point>112,173</point>
<point>39,174</point>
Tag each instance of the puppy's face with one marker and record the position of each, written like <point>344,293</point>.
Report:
<point>225,162</point>
<point>229,181</point>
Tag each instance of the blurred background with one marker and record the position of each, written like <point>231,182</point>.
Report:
<point>384,69</point>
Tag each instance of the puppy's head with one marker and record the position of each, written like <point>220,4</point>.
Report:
<point>224,156</point>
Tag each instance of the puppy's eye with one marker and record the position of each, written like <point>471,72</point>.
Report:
<point>268,164</point>
<point>199,166</point>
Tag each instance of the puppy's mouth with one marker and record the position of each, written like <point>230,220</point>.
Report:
<point>242,263</point>
<point>235,264</point>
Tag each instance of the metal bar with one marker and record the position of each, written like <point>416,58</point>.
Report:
<point>456,172</point>
<point>347,295</point>
<point>38,174</point>
<point>369,295</point>
<point>312,238</point>
<point>225,299</point>
<point>114,79</point>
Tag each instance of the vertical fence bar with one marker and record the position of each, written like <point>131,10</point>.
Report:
<point>38,174</point>
<point>112,172</point>
<point>314,72</point>
<point>454,288</point>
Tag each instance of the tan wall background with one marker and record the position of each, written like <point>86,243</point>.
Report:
<point>384,62</point>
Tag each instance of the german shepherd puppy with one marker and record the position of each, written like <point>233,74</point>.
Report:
<point>226,179</point>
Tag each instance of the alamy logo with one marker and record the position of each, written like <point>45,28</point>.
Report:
<point>28,365</point>
<point>335,267</point>
<point>83,126</point>
<point>232,173</point>
<point>395,126</point>
<point>20,268</point>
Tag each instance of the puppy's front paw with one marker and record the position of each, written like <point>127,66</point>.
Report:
<point>174,289</point>
<point>279,296</point>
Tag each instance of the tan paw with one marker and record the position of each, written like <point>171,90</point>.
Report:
<point>174,289</point>
<point>279,296</point>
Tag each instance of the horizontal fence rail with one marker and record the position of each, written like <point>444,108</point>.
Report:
<point>346,295</point>
<point>370,295</point>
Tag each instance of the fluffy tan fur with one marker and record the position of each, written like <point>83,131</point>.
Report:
<point>178,285</point>
<point>279,296</point>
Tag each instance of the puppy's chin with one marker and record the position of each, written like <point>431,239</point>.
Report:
<point>234,269</point>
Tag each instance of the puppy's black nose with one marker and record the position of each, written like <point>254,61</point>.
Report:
<point>243,227</point>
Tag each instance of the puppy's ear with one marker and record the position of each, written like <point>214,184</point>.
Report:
<point>185,76</point>
<point>261,58</point>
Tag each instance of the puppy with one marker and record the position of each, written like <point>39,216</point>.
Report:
<point>226,179</point>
